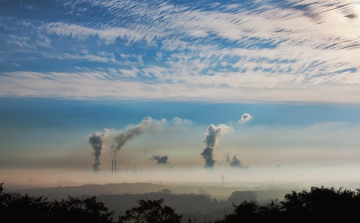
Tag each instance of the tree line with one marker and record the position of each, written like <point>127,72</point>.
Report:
<point>318,204</point>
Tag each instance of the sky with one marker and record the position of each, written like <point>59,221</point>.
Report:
<point>179,91</point>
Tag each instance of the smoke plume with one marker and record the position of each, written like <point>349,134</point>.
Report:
<point>116,141</point>
<point>97,143</point>
<point>245,118</point>
<point>235,162</point>
<point>120,140</point>
<point>160,159</point>
<point>208,155</point>
<point>213,133</point>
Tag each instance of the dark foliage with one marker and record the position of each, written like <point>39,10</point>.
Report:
<point>15,207</point>
<point>319,204</point>
<point>151,211</point>
<point>323,204</point>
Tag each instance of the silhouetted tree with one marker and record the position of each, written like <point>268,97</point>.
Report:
<point>151,211</point>
<point>80,210</point>
<point>165,191</point>
<point>322,204</point>
<point>240,196</point>
<point>246,212</point>
<point>15,207</point>
<point>319,204</point>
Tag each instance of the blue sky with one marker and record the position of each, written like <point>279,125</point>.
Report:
<point>71,68</point>
<point>242,51</point>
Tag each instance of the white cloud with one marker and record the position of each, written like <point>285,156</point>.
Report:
<point>217,53</point>
<point>109,35</point>
<point>22,42</point>
<point>105,58</point>
<point>87,84</point>
<point>129,73</point>
<point>245,118</point>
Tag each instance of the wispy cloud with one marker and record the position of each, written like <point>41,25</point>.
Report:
<point>88,84</point>
<point>109,35</point>
<point>264,51</point>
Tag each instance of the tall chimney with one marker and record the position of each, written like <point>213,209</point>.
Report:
<point>112,166</point>
<point>115,166</point>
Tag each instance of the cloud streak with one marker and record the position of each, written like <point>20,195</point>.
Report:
<point>76,86</point>
<point>303,51</point>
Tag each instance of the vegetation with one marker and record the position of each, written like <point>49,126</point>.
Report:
<point>318,204</point>
<point>151,211</point>
<point>15,207</point>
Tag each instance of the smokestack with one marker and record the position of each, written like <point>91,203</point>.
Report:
<point>100,139</point>
<point>112,166</point>
<point>115,166</point>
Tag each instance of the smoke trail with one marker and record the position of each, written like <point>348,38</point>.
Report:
<point>160,159</point>
<point>121,139</point>
<point>117,141</point>
<point>97,143</point>
<point>212,137</point>
<point>235,162</point>
<point>245,118</point>
<point>208,156</point>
